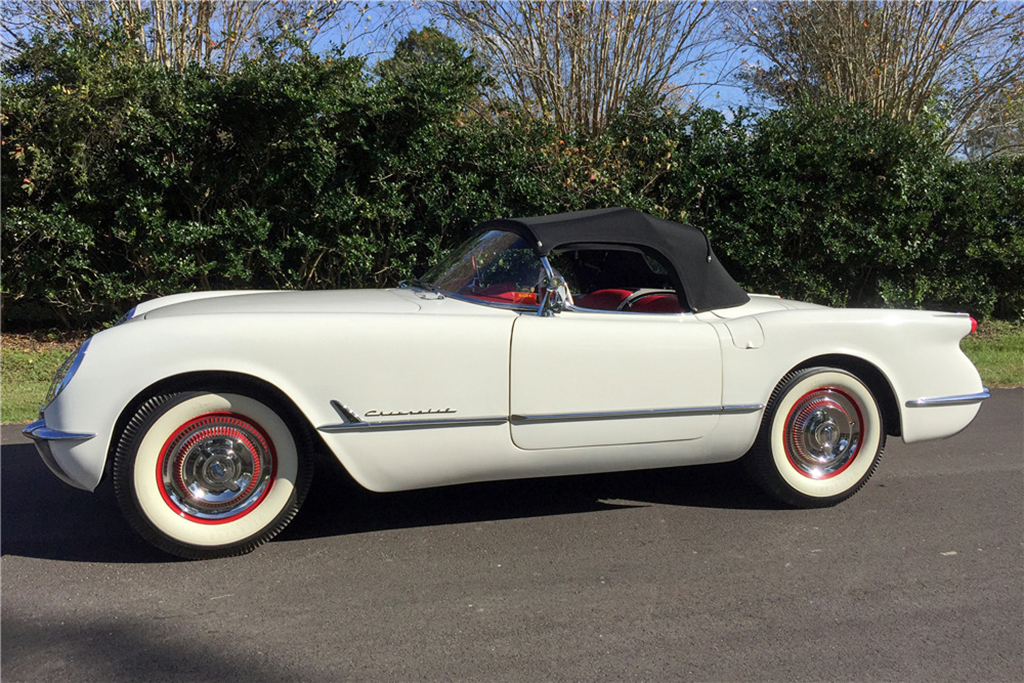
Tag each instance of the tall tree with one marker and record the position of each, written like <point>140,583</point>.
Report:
<point>998,128</point>
<point>959,58</point>
<point>218,34</point>
<point>576,62</point>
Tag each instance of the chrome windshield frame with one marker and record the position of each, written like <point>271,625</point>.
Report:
<point>521,308</point>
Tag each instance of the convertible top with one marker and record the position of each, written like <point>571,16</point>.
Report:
<point>702,277</point>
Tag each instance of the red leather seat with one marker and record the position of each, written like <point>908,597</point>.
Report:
<point>656,303</point>
<point>603,299</point>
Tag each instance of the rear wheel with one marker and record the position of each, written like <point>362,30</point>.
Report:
<point>203,475</point>
<point>821,439</point>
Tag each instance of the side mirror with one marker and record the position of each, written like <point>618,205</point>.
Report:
<point>555,291</point>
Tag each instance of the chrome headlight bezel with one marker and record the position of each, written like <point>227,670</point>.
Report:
<point>128,315</point>
<point>65,373</point>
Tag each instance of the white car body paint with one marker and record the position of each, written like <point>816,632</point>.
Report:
<point>406,350</point>
<point>594,341</point>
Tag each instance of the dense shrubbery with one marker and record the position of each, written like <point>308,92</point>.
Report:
<point>122,181</point>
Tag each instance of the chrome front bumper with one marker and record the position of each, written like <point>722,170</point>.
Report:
<point>41,435</point>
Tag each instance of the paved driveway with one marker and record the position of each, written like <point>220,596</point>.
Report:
<point>664,575</point>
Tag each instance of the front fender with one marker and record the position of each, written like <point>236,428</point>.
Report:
<point>370,361</point>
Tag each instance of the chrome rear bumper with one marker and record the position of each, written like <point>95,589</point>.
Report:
<point>962,400</point>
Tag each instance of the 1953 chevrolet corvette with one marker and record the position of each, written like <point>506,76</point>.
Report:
<point>586,342</point>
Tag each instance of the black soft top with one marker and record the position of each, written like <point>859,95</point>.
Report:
<point>704,280</point>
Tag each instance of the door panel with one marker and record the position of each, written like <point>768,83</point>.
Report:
<point>588,379</point>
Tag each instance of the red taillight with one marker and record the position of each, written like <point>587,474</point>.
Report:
<point>974,326</point>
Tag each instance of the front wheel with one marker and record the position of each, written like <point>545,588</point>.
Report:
<point>821,439</point>
<point>203,475</point>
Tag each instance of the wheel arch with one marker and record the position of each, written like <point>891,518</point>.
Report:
<point>221,381</point>
<point>875,379</point>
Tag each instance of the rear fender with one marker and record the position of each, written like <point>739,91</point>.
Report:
<point>916,353</point>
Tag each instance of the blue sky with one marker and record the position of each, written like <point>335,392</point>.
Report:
<point>721,96</point>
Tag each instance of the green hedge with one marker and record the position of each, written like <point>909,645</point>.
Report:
<point>123,181</point>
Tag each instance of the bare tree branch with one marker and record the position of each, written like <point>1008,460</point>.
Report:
<point>220,34</point>
<point>960,58</point>
<point>575,63</point>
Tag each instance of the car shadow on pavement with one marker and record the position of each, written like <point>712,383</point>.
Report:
<point>337,505</point>
<point>44,518</point>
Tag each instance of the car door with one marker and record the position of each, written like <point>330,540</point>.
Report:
<point>588,378</point>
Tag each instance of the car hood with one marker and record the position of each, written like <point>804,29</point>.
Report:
<point>226,303</point>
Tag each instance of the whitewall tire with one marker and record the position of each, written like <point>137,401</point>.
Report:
<point>821,438</point>
<point>205,475</point>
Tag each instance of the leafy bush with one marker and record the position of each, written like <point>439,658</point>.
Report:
<point>837,206</point>
<point>123,181</point>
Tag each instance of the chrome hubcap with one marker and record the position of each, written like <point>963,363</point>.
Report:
<point>216,467</point>
<point>823,432</point>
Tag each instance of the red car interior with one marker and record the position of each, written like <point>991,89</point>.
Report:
<point>603,299</point>
<point>656,303</point>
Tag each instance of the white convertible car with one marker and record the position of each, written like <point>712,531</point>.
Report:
<point>586,342</point>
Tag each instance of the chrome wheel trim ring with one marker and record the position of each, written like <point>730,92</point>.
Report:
<point>822,433</point>
<point>216,468</point>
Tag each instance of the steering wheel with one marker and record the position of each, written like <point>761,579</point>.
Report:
<point>642,293</point>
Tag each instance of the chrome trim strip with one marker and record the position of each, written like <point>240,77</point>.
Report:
<point>580,309</point>
<point>413,424</point>
<point>345,412</point>
<point>38,431</point>
<point>522,308</point>
<point>635,414</point>
<point>742,408</point>
<point>360,425</point>
<point>940,401</point>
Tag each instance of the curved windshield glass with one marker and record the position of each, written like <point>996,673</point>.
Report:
<point>499,267</point>
<point>494,266</point>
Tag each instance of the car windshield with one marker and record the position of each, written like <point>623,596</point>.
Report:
<point>494,266</point>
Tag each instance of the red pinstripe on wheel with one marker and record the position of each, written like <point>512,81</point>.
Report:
<point>215,464</point>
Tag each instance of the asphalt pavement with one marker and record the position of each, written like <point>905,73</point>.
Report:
<point>682,574</point>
